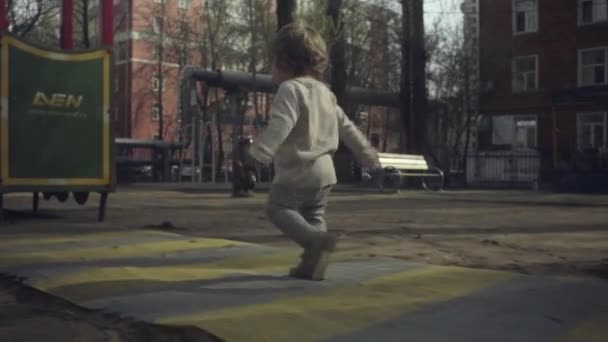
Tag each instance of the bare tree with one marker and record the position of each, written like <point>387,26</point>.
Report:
<point>219,39</point>
<point>85,24</point>
<point>418,77</point>
<point>451,110</point>
<point>34,19</point>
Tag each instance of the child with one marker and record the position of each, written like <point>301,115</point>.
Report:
<point>302,135</point>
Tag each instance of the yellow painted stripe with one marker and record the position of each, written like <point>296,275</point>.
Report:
<point>247,264</point>
<point>55,55</point>
<point>114,251</point>
<point>76,237</point>
<point>591,330</point>
<point>343,310</point>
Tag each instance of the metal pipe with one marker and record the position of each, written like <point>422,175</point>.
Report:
<point>186,89</point>
<point>66,39</point>
<point>201,152</point>
<point>4,20</point>
<point>263,83</point>
<point>138,143</point>
<point>193,155</point>
<point>107,20</point>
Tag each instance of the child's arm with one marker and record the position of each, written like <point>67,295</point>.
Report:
<point>356,141</point>
<point>283,117</point>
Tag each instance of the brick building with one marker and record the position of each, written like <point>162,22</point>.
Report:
<point>141,25</point>
<point>530,53</point>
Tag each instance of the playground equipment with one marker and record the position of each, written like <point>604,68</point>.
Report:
<point>235,85</point>
<point>55,134</point>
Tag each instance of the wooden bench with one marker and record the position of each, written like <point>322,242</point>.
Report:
<point>397,166</point>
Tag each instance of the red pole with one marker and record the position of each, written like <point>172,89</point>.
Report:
<point>4,22</point>
<point>67,10</point>
<point>107,20</point>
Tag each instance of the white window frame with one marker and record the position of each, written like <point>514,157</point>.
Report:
<point>580,66</point>
<point>506,133</point>
<point>122,52</point>
<point>155,82</point>
<point>524,118</point>
<point>156,53</point>
<point>514,72</point>
<point>579,123</point>
<point>183,4</point>
<point>514,19</point>
<point>594,18</point>
<point>156,112</point>
<point>159,1</point>
<point>157,21</point>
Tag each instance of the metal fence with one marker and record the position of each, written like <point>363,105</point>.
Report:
<point>504,168</point>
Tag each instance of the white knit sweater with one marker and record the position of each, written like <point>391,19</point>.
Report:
<point>303,132</point>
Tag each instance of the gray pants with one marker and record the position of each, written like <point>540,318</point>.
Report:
<point>298,213</point>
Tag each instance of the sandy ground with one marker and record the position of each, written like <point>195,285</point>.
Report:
<point>527,232</point>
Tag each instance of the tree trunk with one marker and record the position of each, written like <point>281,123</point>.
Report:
<point>405,84</point>
<point>343,159</point>
<point>253,58</point>
<point>220,135</point>
<point>285,11</point>
<point>467,108</point>
<point>85,24</point>
<point>418,79</point>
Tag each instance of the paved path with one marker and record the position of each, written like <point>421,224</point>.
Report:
<point>238,291</point>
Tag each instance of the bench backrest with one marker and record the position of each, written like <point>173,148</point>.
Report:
<point>403,161</point>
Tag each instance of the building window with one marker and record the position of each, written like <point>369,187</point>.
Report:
<point>525,133</point>
<point>593,67</point>
<point>525,16</point>
<point>183,55</point>
<point>155,82</point>
<point>156,112</point>
<point>592,11</point>
<point>156,52</point>
<point>516,131</point>
<point>183,4</point>
<point>157,22</point>
<point>525,74</point>
<point>122,51</point>
<point>159,1</point>
<point>591,131</point>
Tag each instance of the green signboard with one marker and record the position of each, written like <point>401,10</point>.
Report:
<point>55,120</point>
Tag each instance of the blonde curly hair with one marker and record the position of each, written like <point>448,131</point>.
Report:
<point>300,49</point>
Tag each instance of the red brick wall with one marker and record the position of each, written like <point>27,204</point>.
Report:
<point>556,43</point>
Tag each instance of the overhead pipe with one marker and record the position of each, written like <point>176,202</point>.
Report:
<point>237,81</point>
<point>263,83</point>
